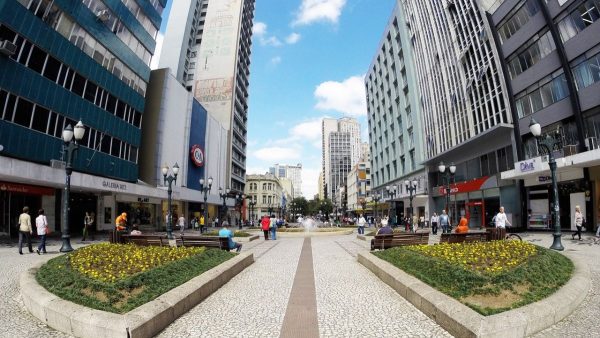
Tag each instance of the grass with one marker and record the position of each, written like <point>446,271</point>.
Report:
<point>61,278</point>
<point>487,292</point>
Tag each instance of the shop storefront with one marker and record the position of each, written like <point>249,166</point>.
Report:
<point>15,196</point>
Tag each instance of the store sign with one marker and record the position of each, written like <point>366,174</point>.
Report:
<point>197,155</point>
<point>143,199</point>
<point>543,179</point>
<point>25,189</point>
<point>114,185</point>
<point>473,185</point>
<point>526,166</point>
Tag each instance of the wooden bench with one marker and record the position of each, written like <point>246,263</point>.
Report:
<point>115,237</point>
<point>146,240</point>
<point>383,242</point>
<point>206,241</point>
<point>495,234</point>
<point>464,237</point>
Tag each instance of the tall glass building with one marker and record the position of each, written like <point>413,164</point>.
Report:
<point>64,61</point>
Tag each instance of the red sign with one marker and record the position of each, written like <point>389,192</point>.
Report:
<point>25,189</point>
<point>197,155</point>
<point>473,185</point>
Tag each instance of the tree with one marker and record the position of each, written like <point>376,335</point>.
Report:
<point>299,205</point>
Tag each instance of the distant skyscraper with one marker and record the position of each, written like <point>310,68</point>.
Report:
<point>207,46</point>
<point>351,127</point>
<point>291,172</point>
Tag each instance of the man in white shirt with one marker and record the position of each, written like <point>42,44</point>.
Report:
<point>181,223</point>
<point>502,220</point>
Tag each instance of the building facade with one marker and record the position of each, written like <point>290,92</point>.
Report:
<point>265,193</point>
<point>359,188</point>
<point>395,120</point>
<point>347,146</point>
<point>551,52</point>
<point>291,172</point>
<point>207,46</point>
<point>61,62</point>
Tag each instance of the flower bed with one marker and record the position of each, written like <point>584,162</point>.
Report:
<point>490,277</point>
<point>118,278</point>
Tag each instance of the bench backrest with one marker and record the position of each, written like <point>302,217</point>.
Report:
<point>145,240</point>
<point>388,241</point>
<point>466,237</point>
<point>207,241</point>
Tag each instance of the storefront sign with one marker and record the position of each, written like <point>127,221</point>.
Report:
<point>473,185</point>
<point>542,179</point>
<point>143,199</point>
<point>197,155</point>
<point>25,189</point>
<point>114,185</point>
<point>526,166</point>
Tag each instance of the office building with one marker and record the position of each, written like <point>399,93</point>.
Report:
<point>65,61</point>
<point>359,188</point>
<point>347,145</point>
<point>291,172</point>
<point>551,54</point>
<point>207,47</point>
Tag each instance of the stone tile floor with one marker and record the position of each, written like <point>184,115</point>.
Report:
<point>351,301</point>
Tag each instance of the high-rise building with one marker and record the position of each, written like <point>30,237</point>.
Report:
<point>395,123</point>
<point>551,54</point>
<point>207,47</point>
<point>340,155</point>
<point>65,61</point>
<point>291,172</point>
<point>351,127</point>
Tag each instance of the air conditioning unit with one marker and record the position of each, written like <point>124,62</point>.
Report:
<point>103,15</point>
<point>7,48</point>
<point>57,164</point>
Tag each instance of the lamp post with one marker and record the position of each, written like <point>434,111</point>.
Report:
<point>392,191</point>
<point>252,205</point>
<point>344,201</point>
<point>449,176</point>
<point>223,196</point>
<point>70,146</point>
<point>239,201</point>
<point>548,143</point>
<point>363,204</point>
<point>205,187</point>
<point>169,180</point>
<point>376,198</point>
<point>411,187</point>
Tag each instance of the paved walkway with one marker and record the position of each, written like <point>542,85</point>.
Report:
<point>346,299</point>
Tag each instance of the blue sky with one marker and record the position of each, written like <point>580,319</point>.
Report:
<point>308,59</point>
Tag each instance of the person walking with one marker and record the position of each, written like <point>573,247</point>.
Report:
<point>361,225</point>
<point>201,223</point>
<point>181,223</point>
<point>264,225</point>
<point>444,221</point>
<point>415,223</point>
<point>88,222</point>
<point>25,230</point>
<point>501,221</point>
<point>434,223</point>
<point>273,227</point>
<point>578,223</point>
<point>41,223</point>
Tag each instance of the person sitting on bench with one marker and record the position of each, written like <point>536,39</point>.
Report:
<point>463,226</point>
<point>385,229</point>
<point>224,232</point>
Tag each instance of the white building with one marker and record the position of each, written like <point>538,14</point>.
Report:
<point>291,172</point>
<point>207,46</point>
<point>348,150</point>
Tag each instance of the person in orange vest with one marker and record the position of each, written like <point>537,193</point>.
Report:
<point>121,222</point>
<point>463,227</point>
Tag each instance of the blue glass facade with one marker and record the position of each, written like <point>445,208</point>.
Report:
<point>55,78</point>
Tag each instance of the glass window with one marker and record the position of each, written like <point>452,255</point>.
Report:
<point>90,91</point>
<point>23,112</point>
<point>40,119</point>
<point>78,85</point>
<point>3,96</point>
<point>52,68</point>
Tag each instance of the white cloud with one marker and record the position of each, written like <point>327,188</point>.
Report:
<point>277,154</point>
<point>259,28</point>
<point>319,10</point>
<point>307,131</point>
<point>292,38</point>
<point>347,97</point>
<point>159,43</point>
<point>270,41</point>
<point>276,60</point>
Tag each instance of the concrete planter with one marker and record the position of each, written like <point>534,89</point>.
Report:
<point>144,321</point>
<point>462,321</point>
<point>245,239</point>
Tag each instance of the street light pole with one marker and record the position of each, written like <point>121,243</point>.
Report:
<point>411,187</point>
<point>205,189</point>
<point>392,191</point>
<point>70,146</point>
<point>223,196</point>
<point>449,175</point>
<point>376,198</point>
<point>548,143</point>
<point>169,180</point>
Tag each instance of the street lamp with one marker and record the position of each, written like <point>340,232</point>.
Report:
<point>170,179</point>
<point>548,143</point>
<point>344,201</point>
<point>205,187</point>
<point>252,204</point>
<point>270,209</point>
<point>239,201</point>
<point>449,176</point>
<point>392,191</point>
<point>376,198</point>
<point>411,187</point>
<point>224,196</point>
<point>70,146</point>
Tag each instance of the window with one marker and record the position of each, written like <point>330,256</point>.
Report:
<point>78,85</point>
<point>40,119</point>
<point>23,112</point>
<point>52,68</point>
<point>582,17</point>
<point>528,55</point>
<point>517,20</point>
<point>37,59</point>
<point>542,94</point>
<point>587,72</point>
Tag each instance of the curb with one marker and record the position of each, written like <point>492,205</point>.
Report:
<point>144,321</point>
<point>245,239</point>
<point>462,321</point>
